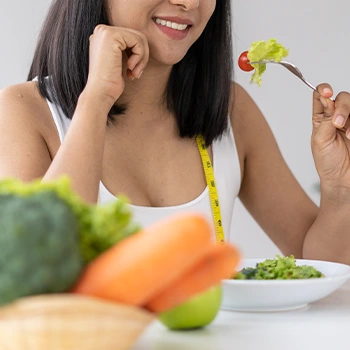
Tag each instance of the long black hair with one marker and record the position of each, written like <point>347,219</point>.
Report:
<point>199,88</point>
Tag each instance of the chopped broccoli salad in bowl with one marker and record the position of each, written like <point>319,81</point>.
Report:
<point>281,268</point>
<point>281,283</point>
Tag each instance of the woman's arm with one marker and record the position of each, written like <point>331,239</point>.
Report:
<point>25,129</point>
<point>80,155</point>
<point>269,190</point>
<point>24,151</point>
<point>275,199</point>
<point>329,236</point>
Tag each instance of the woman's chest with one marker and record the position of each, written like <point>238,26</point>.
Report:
<point>154,174</point>
<point>160,185</point>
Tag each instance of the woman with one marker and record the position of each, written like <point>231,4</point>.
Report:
<point>140,80</point>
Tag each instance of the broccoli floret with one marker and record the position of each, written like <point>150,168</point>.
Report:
<point>39,245</point>
<point>105,226</point>
<point>100,226</point>
<point>48,234</point>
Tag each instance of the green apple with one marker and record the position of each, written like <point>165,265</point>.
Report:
<point>196,312</point>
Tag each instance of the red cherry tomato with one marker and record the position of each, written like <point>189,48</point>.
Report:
<point>243,62</point>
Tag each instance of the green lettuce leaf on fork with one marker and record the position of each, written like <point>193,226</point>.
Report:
<point>264,50</point>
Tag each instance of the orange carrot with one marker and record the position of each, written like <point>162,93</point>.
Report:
<point>218,264</point>
<point>142,265</point>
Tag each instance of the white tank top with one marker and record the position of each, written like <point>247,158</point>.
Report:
<point>226,171</point>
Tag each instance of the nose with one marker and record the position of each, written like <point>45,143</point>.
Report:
<point>187,5</point>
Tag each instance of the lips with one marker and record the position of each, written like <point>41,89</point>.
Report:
<point>175,19</point>
<point>170,24</point>
<point>174,27</point>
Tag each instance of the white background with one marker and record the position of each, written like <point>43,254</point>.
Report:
<point>317,35</point>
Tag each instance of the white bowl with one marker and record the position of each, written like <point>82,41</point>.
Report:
<point>278,295</point>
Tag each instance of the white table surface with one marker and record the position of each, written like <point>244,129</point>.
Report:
<point>319,326</point>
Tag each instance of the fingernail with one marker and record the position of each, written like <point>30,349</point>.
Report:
<point>324,102</point>
<point>327,91</point>
<point>140,75</point>
<point>339,120</point>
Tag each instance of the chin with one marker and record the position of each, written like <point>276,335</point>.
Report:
<point>167,57</point>
<point>166,62</point>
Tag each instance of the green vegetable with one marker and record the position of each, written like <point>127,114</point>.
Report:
<point>279,268</point>
<point>105,226</point>
<point>265,50</point>
<point>39,246</point>
<point>48,234</point>
<point>100,226</point>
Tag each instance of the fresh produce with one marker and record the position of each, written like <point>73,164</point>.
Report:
<point>103,226</point>
<point>219,263</point>
<point>196,312</point>
<point>47,235</point>
<point>243,62</point>
<point>100,227</point>
<point>170,269</point>
<point>52,242</point>
<point>278,268</point>
<point>39,242</point>
<point>145,264</point>
<point>269,50</point>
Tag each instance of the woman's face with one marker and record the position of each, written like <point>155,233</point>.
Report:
<point>171,26</point>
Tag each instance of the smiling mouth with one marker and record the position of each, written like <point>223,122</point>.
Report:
<point>172,25</point>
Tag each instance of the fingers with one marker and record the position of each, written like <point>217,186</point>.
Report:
<point>133,43</point>
<point>115,54</point>
<point>323,109</point>
<point>342,110</point>
<point>321,98</point>
<point>328,112</point>
<point>137,50</point>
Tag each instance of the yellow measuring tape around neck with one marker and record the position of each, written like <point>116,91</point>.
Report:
<point>213,193</point>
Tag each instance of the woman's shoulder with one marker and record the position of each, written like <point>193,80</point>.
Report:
<point>23,103</point>
<point>22,107</point>
<point>242,106</point>
<point>246,117</point>
<point>24,96</point>
<point>241,115</point>
<point>28,140</point>
<point>252,133</point>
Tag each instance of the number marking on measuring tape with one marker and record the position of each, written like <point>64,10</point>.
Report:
<point>213,193</point>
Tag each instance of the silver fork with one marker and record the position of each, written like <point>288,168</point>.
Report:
<point>291,67</point>
<point>296,71</point>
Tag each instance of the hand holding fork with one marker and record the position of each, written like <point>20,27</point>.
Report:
<point>296,71</point>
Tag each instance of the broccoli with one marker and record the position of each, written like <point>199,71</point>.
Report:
<point>39,246</point>
<point>48,234</point>
<point>278,268</point>
<point>100,226</point>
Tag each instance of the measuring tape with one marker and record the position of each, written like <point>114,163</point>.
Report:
<point>213,193</point>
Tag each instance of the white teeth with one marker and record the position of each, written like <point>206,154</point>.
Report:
<point>172,25</point>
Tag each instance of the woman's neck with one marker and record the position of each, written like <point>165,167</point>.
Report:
<point>145,100</point>
<point>149,89</point>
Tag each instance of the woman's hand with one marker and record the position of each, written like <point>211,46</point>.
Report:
<point>108,45</point>
<point>330,146</point>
